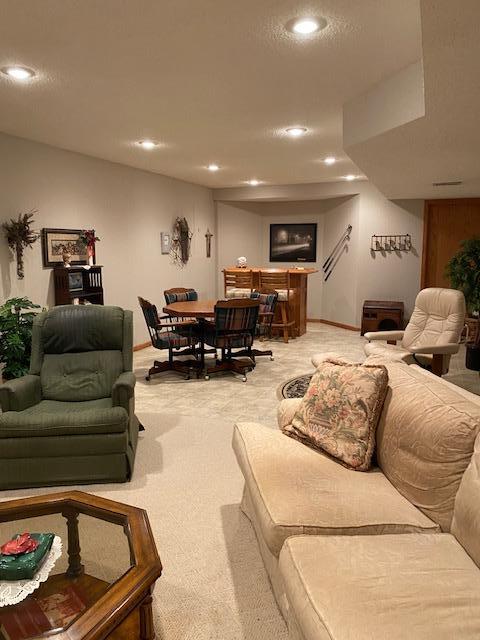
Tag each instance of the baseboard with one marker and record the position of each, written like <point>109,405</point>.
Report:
<point>144,345</point>
<point>340,325</point>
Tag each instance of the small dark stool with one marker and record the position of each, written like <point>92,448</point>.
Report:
<point>382,315</point>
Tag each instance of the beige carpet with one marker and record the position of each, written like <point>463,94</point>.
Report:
<point>214,585</point>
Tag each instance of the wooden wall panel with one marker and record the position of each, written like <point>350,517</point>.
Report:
<point>446,224</point>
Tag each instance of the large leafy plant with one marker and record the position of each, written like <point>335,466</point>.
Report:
<point>463,270</point>
<point>16,319</point>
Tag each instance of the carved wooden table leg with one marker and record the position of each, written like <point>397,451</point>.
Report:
<point>147,631</point>
<point>75,567</point>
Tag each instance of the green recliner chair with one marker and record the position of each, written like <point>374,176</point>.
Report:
<point>71,420</point>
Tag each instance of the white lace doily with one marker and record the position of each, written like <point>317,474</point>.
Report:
<point>14,591</point>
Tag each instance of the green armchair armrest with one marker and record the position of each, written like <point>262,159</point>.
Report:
<point>123,390</point>
<point>20,393</point>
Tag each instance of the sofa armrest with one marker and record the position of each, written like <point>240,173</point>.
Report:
<point>286,410</point>
<point>123,390</point>
<point>20,393</point>
<point>440,349</point>
<point>384,335</point>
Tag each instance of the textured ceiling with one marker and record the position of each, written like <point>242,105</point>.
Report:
<point>211,80</point>
<point>443,145</point>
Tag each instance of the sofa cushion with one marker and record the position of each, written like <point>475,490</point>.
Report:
<point>48,418</point>
<point>425,440</point>
<point>80,376</point>
<point>295,489</point>
<point>420,587</point>
<point>466,515</point>
<point>340,411</point>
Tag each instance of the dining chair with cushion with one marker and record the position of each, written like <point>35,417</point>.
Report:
<point>279,281</point>
<point>238,283</point>
<point>164,335</point>
<point>267,300</point>
<point>234,327</point>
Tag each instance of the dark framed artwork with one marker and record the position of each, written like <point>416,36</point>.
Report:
<point>293,242</point>
<point>56,241</point>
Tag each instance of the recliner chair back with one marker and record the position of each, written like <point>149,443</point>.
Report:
<point>79,351</point>
<point>437,319</point>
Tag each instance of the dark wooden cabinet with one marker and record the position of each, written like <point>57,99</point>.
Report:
<point>382,315</point>
<point>77,282</point>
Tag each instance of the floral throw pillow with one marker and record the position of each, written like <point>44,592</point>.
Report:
<point>340,411</point>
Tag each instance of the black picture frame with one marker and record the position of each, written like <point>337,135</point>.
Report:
<point>68,237</point>
<point>293,242</point>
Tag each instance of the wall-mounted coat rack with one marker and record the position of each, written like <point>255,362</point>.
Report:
<point>402,242</point>
<point>336,253</point>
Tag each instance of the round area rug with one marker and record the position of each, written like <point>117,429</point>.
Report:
<point>295,387</point>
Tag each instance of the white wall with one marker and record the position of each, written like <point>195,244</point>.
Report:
<point>358,275</point>
<point>396,275</point>
<point>128,209</point>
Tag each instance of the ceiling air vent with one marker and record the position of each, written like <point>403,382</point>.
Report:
<point>452,183</point>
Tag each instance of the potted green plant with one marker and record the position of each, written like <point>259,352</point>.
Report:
<point>463,270</point>
<point>16,320</point>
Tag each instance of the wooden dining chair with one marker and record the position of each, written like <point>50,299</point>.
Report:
<point>163,335</point>
<point>233,328</point>
<point>179,294</point>
<point>267,300</point>
<point>237,283</point>
<point>279,281</point>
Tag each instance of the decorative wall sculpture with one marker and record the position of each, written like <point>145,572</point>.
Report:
<point>336,253</point>
<point>19,235</point>
<point>181,242</point>
<point>399,242</point>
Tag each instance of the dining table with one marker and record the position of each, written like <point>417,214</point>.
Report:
<point>202,311</point>
<point>191,309</point>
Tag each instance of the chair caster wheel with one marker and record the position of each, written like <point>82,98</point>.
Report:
<point>244,379</point>
<point>187,377</point>
<point>207,377</point>
<point>147,378</point>
<point>272,358</point>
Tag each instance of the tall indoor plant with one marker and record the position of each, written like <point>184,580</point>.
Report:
<point>463,270</point>
<point>16,319</point>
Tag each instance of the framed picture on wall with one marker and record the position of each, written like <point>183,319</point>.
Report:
<point>57,241</point>
<point>293,242</point>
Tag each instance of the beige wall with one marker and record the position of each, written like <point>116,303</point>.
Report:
<point>128,209</point>
<point>358,275</point>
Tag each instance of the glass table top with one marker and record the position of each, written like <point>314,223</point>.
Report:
<point>95,555</point>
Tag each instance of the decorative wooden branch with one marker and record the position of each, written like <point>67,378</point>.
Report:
<point>19,235</point>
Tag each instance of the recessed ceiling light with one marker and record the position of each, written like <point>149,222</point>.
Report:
<point>253,182</point>
<point>296,132</point>
<point>350,177</point>
<point>18,73</point>
<point>329,160</point>
<point>147,144</point>
<point>213,167</point>
<point>306,26</point>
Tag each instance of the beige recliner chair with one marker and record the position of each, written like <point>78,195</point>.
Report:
<point>432,335</point>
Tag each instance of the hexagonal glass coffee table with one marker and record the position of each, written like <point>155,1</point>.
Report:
<point>101,585</point>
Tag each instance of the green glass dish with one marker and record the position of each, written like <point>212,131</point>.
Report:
<point>26,565</point>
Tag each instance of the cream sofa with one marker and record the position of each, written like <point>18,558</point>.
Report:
<point>322,529</point>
